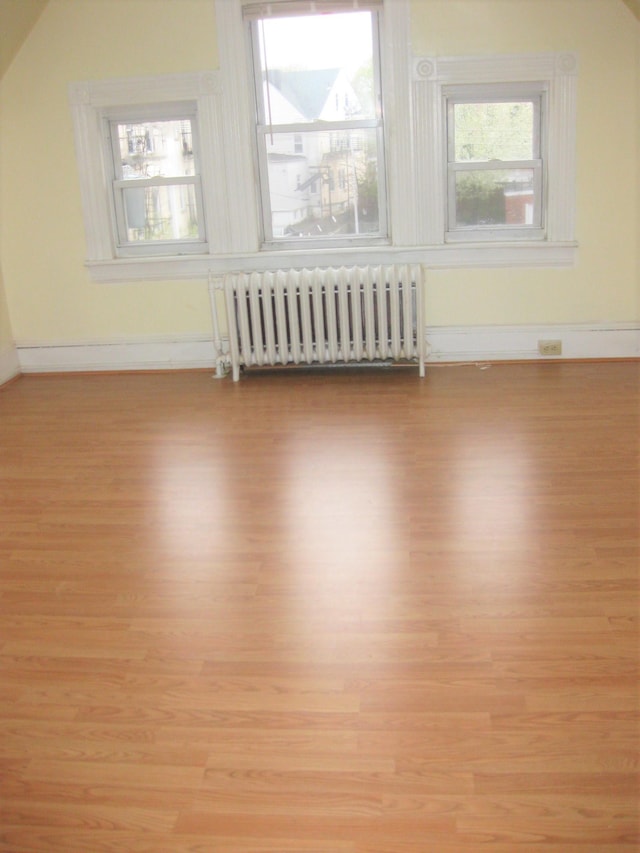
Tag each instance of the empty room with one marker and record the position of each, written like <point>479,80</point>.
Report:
<point>319,426</point>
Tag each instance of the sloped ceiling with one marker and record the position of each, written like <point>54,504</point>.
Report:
<point>634,5</point>
<point>17,17</point>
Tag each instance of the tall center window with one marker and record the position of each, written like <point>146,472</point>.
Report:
<point>319,124</point>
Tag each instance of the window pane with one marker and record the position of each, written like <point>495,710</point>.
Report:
<point>329,189</point>
<point>494,131</point>
<point>495,197</point>
<point>156,149</point>
<point>317,68</point>
<point>161,213</point>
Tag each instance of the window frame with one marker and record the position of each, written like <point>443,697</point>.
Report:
<point>252,15</point>
<point>112,118</point>
<point>556,74</point>
<point>94,102</point>
<point>497,93</point>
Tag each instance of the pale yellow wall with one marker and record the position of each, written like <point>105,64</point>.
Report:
<point>638,156</point>
<point>6,333</point>
<point>49,291</point>
<point>48,288</point>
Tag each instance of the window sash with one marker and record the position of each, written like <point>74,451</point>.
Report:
<point>500,98</point>
<point>291,8</point>
<point>495,231</point>
<point>114,117</point>
<point>182,244</point>
<point>272,242</point>
<point>493,94</point>
<point>264,128</point>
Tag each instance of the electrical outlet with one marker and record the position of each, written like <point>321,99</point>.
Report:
<point>550,347</point>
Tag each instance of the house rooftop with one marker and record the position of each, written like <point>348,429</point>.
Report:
<point>306,90</point>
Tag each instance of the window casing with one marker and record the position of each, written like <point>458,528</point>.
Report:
<point>188,107</point>
<point>319,145</point>
<point>548,81</point>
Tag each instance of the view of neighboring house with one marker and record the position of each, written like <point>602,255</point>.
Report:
<point>155,150</point>
<point>314,176</point>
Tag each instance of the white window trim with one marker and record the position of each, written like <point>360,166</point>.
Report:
<point>558,74</point>
<point>415,152</point>
<point>93,103</point>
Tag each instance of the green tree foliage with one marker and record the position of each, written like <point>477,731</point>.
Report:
<point>493,131</point>
<point>362,83</point>
<point>479,201</point>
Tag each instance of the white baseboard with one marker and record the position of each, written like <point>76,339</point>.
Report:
<point>520,343</point>
<point>9,364</point>
<point>157,353</point>
<point>445,343</point>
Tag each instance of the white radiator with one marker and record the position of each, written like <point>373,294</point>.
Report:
<point>320,316</point>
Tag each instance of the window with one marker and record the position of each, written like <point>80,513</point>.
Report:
<point>155,180</point>
<point>318,132</point>
<point>186,175</point>
<point>152,181</point>
<point>494,138</point>
<point>494,163</point>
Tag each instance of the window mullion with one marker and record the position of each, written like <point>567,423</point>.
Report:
<point>120,218</point>
<point>319,126</point>
<point>493,165</point>
<point>451,199</point>
<point>131,183</point>
<point>264,197</point>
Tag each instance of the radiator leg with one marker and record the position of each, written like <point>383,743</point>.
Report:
<point>222,368</point>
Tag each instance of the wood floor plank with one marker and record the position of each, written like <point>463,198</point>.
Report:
<point>321,612</point>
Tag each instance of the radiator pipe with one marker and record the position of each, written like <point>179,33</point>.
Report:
<point>222,366</point>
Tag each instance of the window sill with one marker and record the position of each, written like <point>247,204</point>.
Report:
<point>534,253</point>
<point>161,251</point>
<point>495,236</point>
<point>448,256</point>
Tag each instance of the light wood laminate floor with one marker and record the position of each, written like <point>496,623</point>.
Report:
<point>345,612</point>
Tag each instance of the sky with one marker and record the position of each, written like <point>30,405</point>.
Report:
<point>319,41</point>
